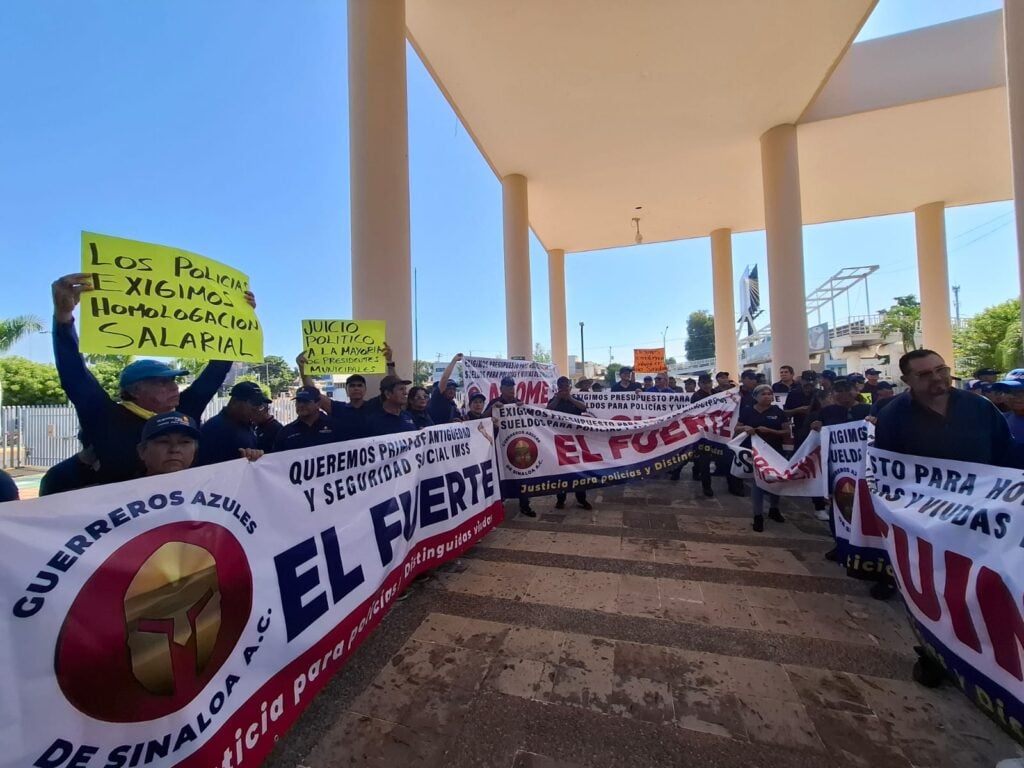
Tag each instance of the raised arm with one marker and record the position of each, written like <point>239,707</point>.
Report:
<point>443,383</point>
<point>82,389</point>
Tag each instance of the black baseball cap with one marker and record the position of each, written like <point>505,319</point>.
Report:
<point>166,423</point>
<point>855,377</point>
<point>307,395</point>
<point>884,385</point>
<point>704,377</point>
<point>563,381</point>
<point>508,381</point>
<point>250,392</point>
<point>808,375</point>
<point>829,374</point>
<point>985,372</point>
<point>873,372</point>
<point>476,396</point>
<point>356,378</point>
<point>625,369</point>
<point>452,384</point>
<point>748,374</point>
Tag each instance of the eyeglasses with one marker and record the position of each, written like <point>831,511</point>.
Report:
<point>941,372</point>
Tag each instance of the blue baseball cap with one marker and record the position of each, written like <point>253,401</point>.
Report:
<point>166,423</point>
<point>141,370</point>
<point>1008,385</point>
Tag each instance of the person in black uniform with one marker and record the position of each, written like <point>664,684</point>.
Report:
<point>311,427</point>
<point>625,382</point>
<point>477,401</point>
<point>564,402</point>
<point>771,424</point>
<point>418,400</point>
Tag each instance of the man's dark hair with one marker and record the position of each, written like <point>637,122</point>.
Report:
<point>913,355</point>
<point>842,386</point>
<point>785,368</point>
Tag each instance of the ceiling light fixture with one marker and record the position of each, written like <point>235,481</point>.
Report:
<point>639,239</point>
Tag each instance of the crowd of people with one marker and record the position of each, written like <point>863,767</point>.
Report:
<point>154,426</point>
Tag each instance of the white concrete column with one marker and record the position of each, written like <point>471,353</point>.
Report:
<point>1013,35</point>
<point>379,171</point>
<point>518,318</point>
<point>933,277</point>
<point>853,363</point>
<point>780,172</point>
<point>726,356</point>
<point>556,305</point>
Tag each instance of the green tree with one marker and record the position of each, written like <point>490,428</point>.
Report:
<point>541,355</point>
<point>901,319</point>
<point>108,374</point>
<point>611,373</point>
<point>256,380</point>
<point>992,339</point>
<point>190,364</point>
<point>422,371</point>
<point>28,383</point>
<point>700,335</point>
<point>14,329</point>
<point>670,361</point>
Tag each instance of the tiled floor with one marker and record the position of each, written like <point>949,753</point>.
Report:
<point>656,630</point>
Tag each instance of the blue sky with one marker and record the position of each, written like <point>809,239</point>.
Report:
<point>222,128</point>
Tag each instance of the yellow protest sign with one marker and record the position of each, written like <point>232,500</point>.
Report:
<point>343,346</point>
<point>649,360</point>
<point>156,301</point>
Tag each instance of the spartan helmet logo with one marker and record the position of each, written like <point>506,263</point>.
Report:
<point>155,623</point>
<point>843,496</point>
<point>522,453</point>
<point>174,599</point>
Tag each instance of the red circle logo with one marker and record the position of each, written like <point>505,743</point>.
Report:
<point>154,623</point>
<point>522,452</point>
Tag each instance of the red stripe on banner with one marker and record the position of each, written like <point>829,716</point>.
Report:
<point>248,736</point>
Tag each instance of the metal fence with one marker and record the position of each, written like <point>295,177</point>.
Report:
<point>43,435</point>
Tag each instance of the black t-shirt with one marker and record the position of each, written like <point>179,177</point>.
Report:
<point>633,386</point>
<point>380,422</point>
<point>773,418</point>
<point>831,415</point>
<point>781,388</point>
<point>565,406</point>
<point>699,395</point>
<point>421,419</point>
<point>441,409</point>
<point>299,434</point>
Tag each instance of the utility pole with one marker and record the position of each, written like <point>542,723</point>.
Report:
<point>956,303</point>
<point>583,354</point>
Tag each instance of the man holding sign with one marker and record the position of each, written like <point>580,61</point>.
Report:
<point>148,387</point>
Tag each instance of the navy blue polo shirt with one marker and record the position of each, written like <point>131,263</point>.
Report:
<point>299,434</point>
<point>773,418</point>
<point>441,409</point>
<point>972,429</point>
<point>380,422</point>
<point>877,405</point>
<point>348,421</point>
<point>831,415</point>
<point>221,438</point>
<point>781,388</point>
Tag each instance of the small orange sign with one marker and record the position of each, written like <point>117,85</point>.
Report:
<point>649,360</point>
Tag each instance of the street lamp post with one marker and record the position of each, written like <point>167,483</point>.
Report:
<point>583,354</point>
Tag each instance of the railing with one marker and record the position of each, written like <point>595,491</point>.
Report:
<point>44,435</point>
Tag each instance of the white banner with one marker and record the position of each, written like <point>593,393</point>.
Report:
<point>535,382</point>
<point>192,616</point>
<point>801,475</point>
<point>955,536</point>
<point>857,529</point>
<point>632,405</point>
<point>544,452</point>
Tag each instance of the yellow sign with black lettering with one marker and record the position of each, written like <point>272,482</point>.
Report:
<point>343,346</point>
<point>155,301</point>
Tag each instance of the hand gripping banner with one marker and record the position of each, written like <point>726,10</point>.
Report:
<point>801,475</point>
<point>189,618</point>
<point>543,452</point>
<point>955,536</point>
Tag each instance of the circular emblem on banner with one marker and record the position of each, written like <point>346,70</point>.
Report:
<point>154,623</point>
<point>522,452</point>
<point>843,496</point>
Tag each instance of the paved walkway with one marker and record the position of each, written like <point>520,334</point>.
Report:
<point>657,630</point>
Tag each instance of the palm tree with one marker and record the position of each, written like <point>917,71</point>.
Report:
<point>16,328</point>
